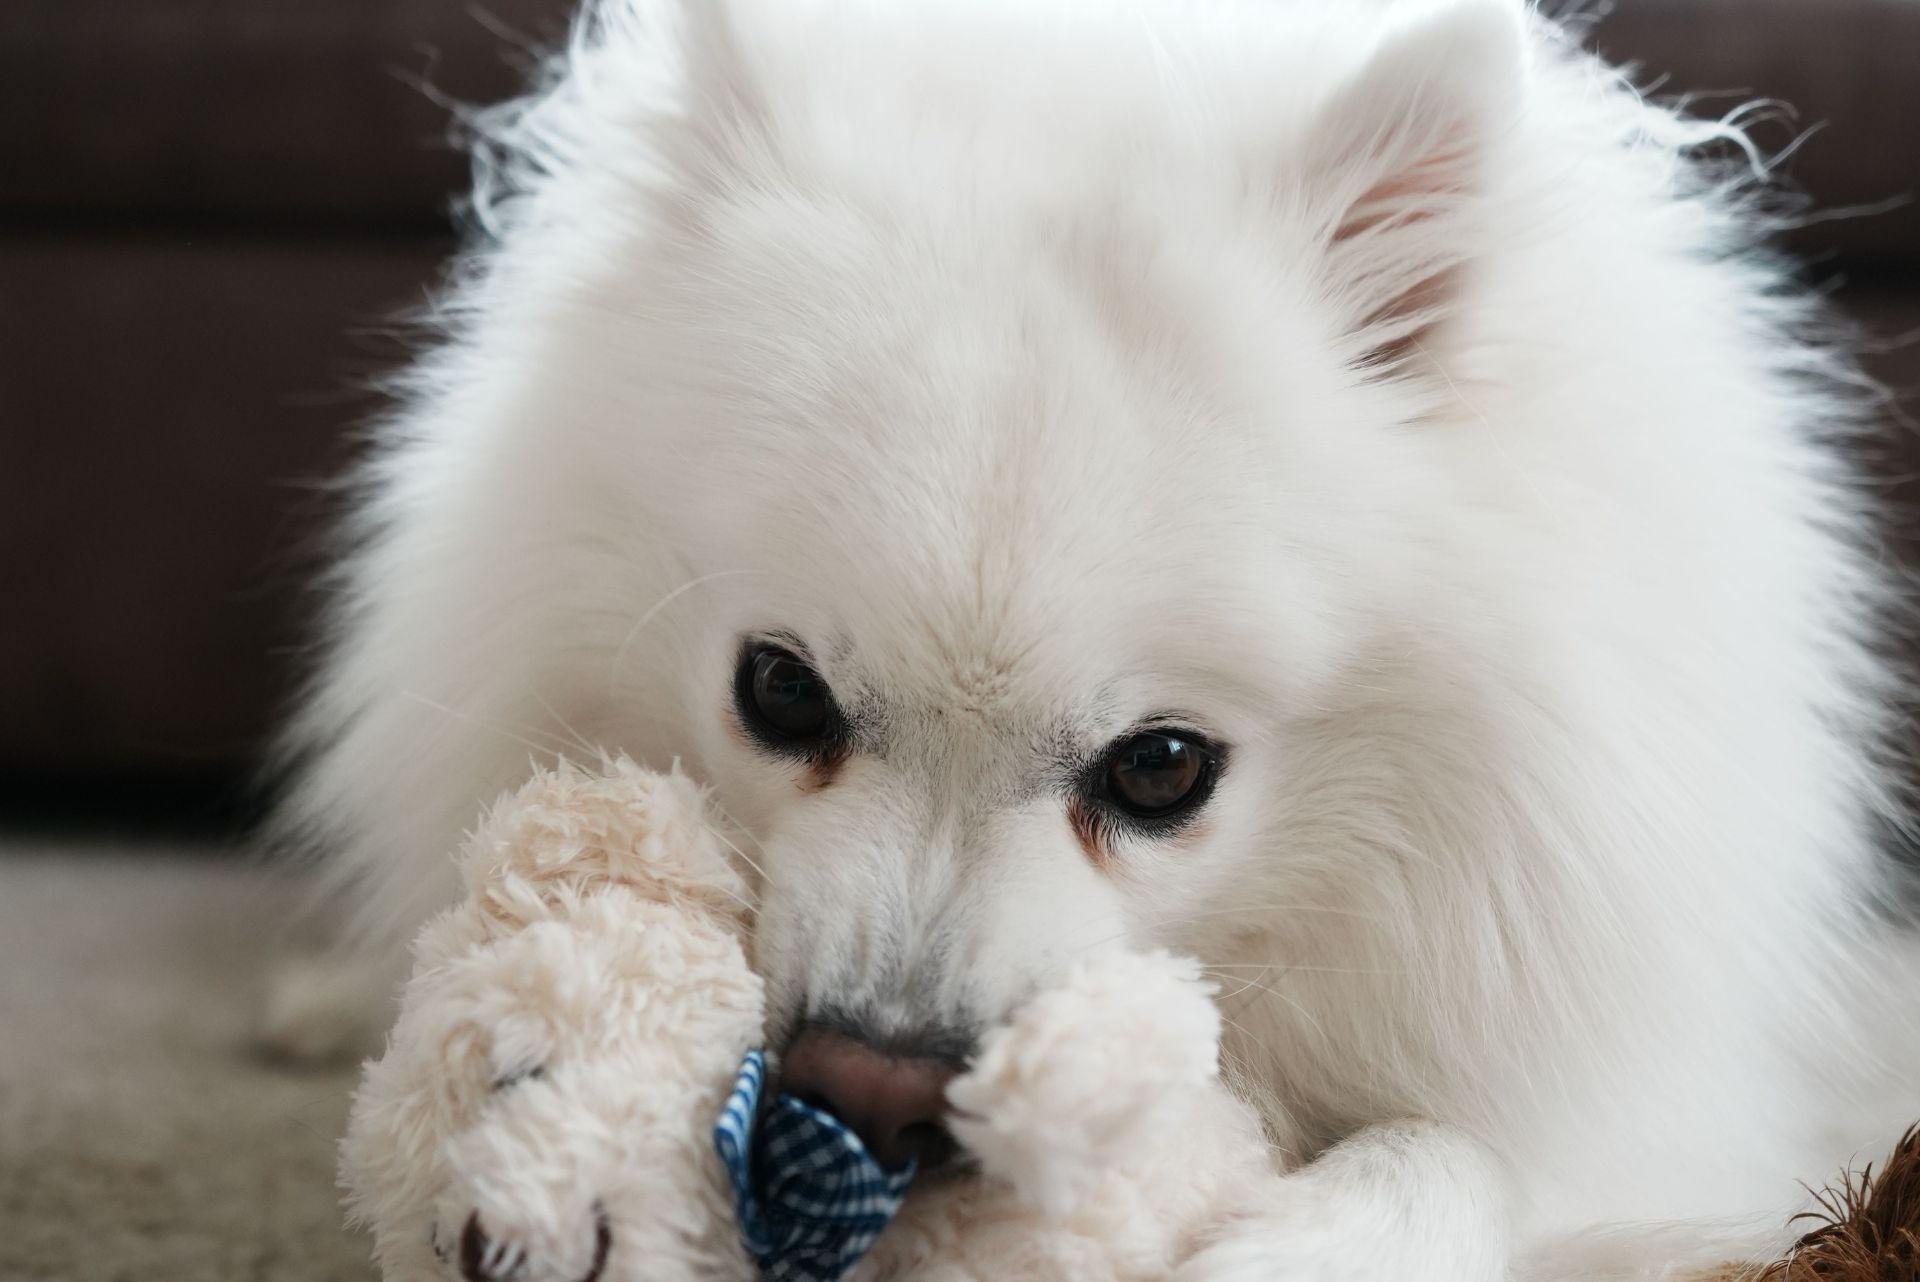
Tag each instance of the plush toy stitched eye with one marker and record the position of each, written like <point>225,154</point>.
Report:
<point>519,1075</point>
<point>783,702</point>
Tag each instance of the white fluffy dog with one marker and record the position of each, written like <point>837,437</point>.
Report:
<point>1326,487</point>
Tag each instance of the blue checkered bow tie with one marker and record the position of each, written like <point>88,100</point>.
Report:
<point>811,1200</point>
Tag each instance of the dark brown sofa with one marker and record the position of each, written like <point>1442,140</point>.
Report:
<point>208,208</point>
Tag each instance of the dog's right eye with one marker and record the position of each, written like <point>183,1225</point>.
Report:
<point>782,701</point>
<point>1157,777</point>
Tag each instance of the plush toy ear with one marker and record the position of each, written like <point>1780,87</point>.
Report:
<point>569,834</point>
<point>1395,164</point>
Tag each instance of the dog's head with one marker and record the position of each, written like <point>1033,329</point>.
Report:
<point>1020,440</point>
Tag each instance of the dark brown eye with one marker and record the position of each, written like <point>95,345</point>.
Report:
<point>782,699</point>
<point>1159,774</point>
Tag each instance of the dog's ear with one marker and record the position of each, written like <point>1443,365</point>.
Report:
<point>1394,165</point>
<point>725,106</point>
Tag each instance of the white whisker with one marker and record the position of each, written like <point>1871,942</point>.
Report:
<point>744,857</point>
<point>633,633</point>
<point>553,749</point>
<point>586,746</point>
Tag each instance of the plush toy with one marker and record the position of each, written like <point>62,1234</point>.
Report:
<point>574,1091</point>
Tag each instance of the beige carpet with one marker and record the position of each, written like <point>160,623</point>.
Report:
<point>139,1138</point>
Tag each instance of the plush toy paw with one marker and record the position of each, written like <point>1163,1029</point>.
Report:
<point>543,1109</point>
<point>1086,1073</point>
<point>1108,1147</point>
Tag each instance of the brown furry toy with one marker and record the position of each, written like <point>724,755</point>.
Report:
<point>1866,1229</point>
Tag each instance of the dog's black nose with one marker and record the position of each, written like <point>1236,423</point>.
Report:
<point>894,1103</point>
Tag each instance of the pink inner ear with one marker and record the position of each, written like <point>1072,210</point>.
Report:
<point>1416,191</point>
<point>1388,235</point>
<point>1401,153</point>
<point>1405,324</point>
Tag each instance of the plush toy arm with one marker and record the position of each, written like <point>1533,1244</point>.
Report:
<point>1102,1068</point>
<point>1395,1201</point>
<point>1107,1143</point>
<point>544,1105</point>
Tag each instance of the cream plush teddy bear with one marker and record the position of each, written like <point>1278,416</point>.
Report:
<point>546,1107</point>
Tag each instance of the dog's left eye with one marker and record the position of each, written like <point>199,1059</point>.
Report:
<point>784,703</point>
<point>1158,775</point>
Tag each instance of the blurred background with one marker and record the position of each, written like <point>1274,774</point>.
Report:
<point>210,212</point>
<point>211,209</point>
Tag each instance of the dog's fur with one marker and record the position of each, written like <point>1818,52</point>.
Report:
<point>1388,390</point>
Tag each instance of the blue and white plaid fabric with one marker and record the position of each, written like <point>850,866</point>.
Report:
<point>810,1198</point>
